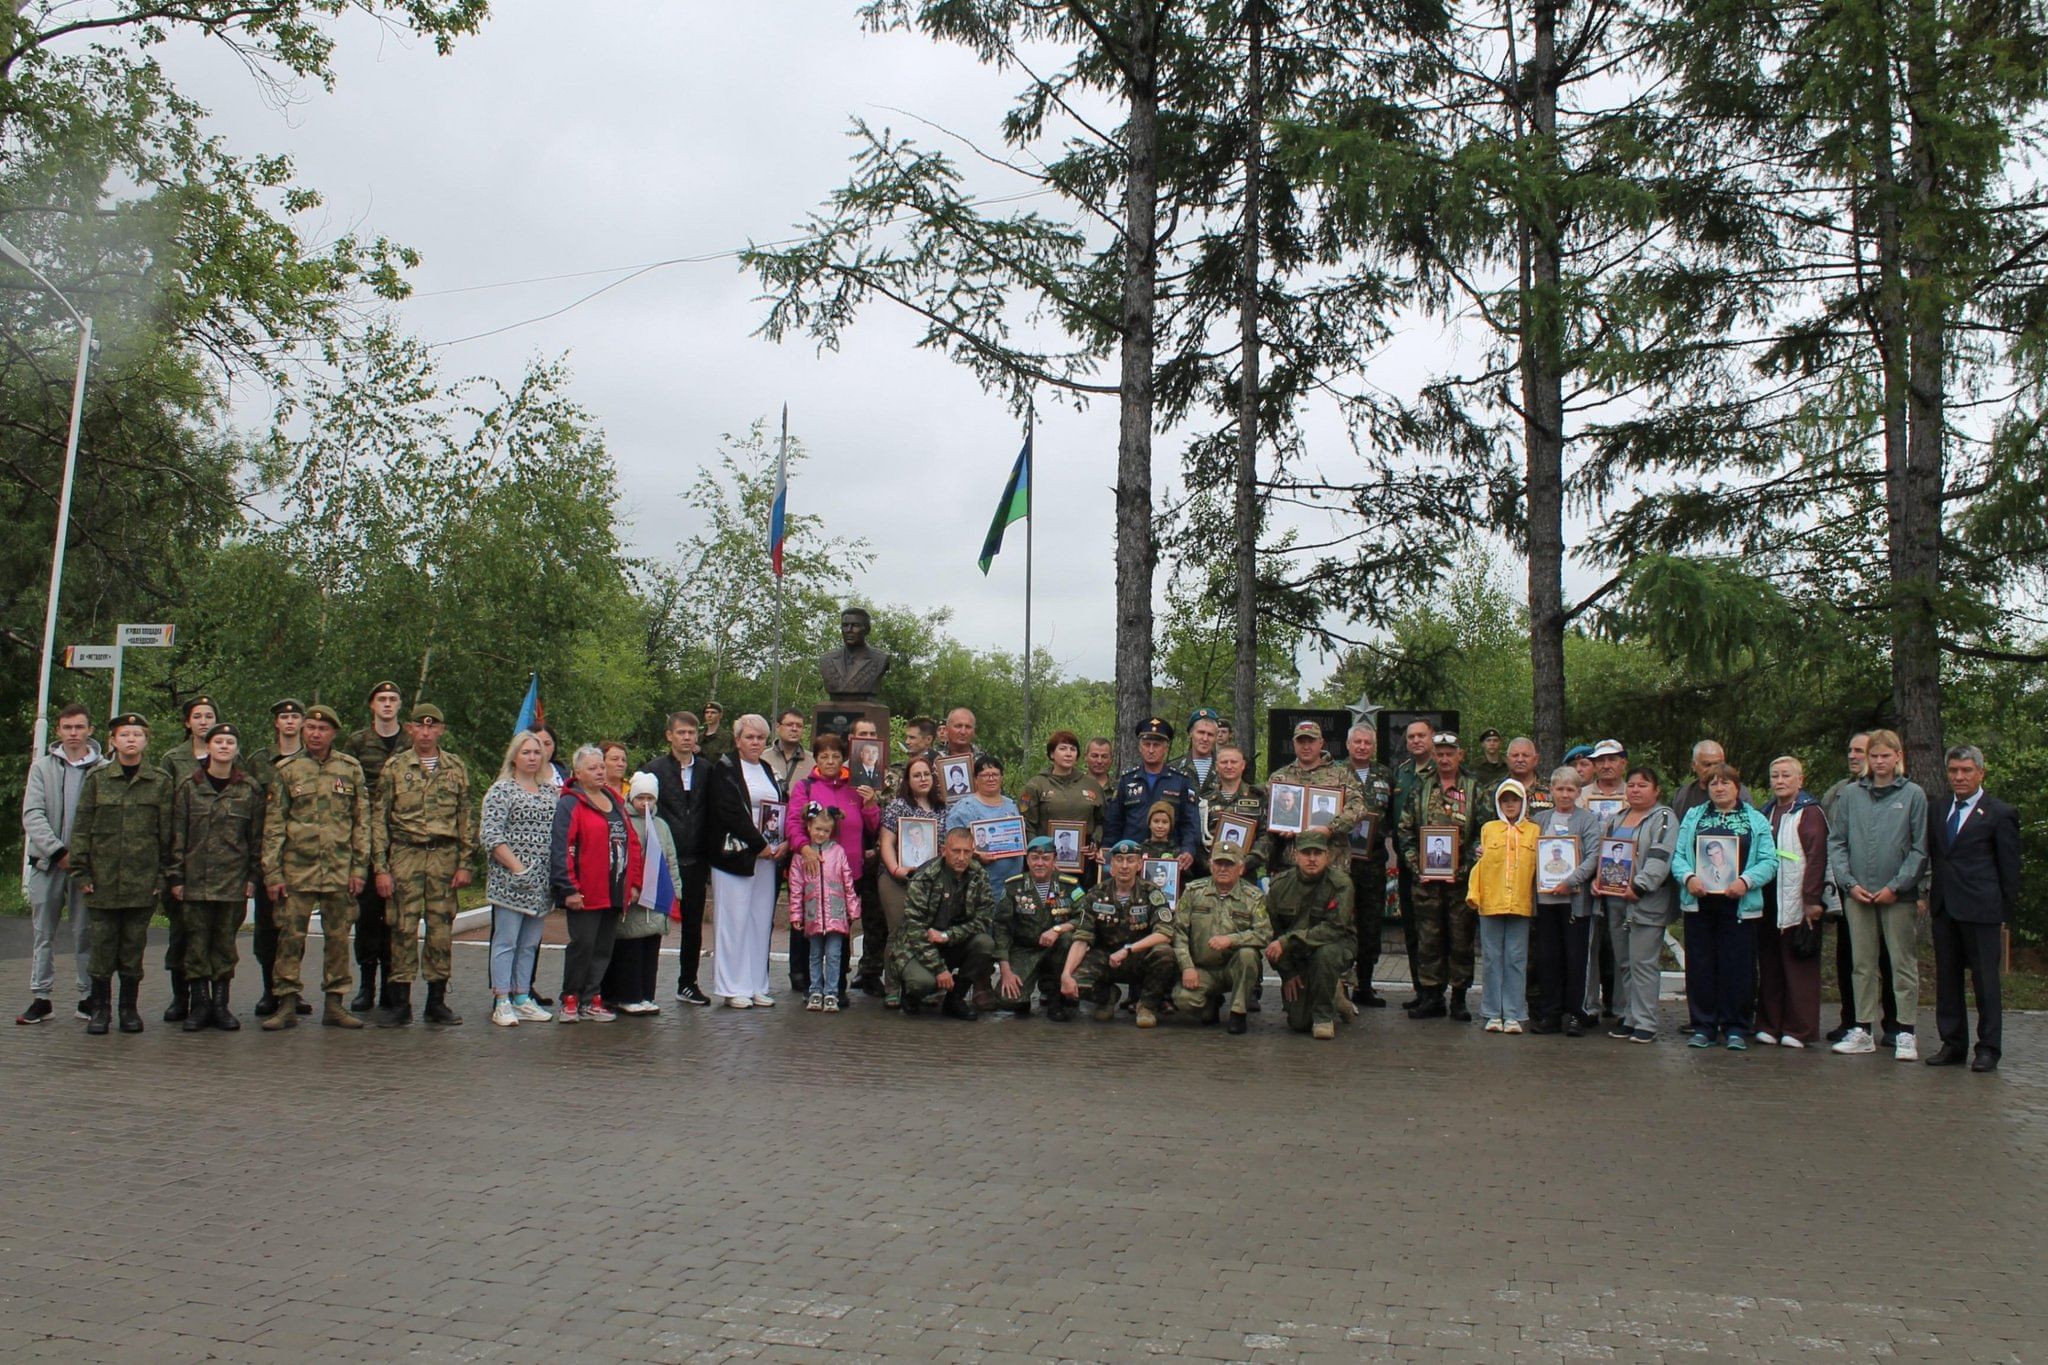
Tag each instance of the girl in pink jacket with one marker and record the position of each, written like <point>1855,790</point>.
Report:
<point>823,906</point>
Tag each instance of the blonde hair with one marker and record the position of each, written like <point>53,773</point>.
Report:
<point>1886,739</point>
<point>507,770</point>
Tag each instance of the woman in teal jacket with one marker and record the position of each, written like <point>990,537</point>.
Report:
<point>1720,879</point>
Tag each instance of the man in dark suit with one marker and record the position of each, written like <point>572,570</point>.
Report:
<point>681,775</point>
<point>1974,839</point>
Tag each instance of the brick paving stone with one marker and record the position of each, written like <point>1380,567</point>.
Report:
<point>772,1185</point>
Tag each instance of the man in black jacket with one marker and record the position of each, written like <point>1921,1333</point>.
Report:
<point>1974,841</point>
<point>679,801</point>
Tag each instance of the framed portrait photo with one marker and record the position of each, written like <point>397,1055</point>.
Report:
<point>1286,808</point>
<point>1717,862</point>
<point>1164,873</point>
<point>1323,805</point>
<point>1003,836</point>
<point>771,820</point>
<point>1365,835</point>
<point>1235,832</point>
<point>1557,856</point>
<point>1068,839</point>
<point>1615,874</point>
<point>1603,806</point>
<point>956,776</point>
<point>1438,847</point>
<point>917,840</point>
<point>870,763</point>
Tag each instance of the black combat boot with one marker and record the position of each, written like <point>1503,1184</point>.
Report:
<point>131,987</point>
<point>223,1017</point>
<point>199,1006</point>
<point>102,1006</point>
<point>180,1006</point>
<point>397,1012</point>
<point>266,1004</point>
<point>958,1006</point>
<point>366,997</point>
<point>437,1011</point>
<point>1428,1005</point>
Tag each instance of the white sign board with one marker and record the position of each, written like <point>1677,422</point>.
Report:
<point>147,637</point>
<point>92,656</point>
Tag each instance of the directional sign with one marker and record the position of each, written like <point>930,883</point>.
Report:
<point>92,656</point>
<point>147,637</point>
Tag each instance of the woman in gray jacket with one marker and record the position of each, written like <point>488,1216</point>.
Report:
<point>1636,918</point>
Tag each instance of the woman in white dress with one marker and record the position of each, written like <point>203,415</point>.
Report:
<point>742,867</point>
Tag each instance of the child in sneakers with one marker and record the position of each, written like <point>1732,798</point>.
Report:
<point>823,905</point>
<point>1503,891</point>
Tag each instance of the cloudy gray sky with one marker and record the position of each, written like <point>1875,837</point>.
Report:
<point>583,138</point>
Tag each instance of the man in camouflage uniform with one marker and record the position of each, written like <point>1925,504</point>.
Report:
<point>216,861</point>
<point>1368,860</point>
<point>1220,928</point>
<point>120,844</point>
<point>422,838</point>
<point>1491,770</point>
<point>1312,768</point>
<point>1310,907</point>
<point>1445,925</point>
<point>316,849</point>
<point>286,716</point>
<point>1247,801</point>
<point>1413,769</point>
<point>1040,908</point>
<point>1125,937</point>
<point>943,944</point>
<point>1522,763</point>
<point>1198,764</point>
<point>376,744</point>
<point>185,758</point>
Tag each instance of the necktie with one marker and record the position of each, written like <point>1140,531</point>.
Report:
<point>1955,821</point>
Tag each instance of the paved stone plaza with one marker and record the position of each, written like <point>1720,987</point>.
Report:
<point>773,1185</point>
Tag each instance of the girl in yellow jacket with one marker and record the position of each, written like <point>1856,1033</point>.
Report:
<point>1503,891</point>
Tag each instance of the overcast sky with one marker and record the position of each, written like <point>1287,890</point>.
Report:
<point>612,134</point>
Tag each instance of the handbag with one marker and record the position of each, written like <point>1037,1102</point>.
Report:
<point>1804,940</point>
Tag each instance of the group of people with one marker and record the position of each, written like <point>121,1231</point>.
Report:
<point>1168,890</point>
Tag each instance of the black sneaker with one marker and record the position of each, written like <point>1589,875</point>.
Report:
<point>1621,1031</point>
<point>38,1010</point>
<point>690,995</point>
<point>83,1009</point>
<point>1836,1035</point>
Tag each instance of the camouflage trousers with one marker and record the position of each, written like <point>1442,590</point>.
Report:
<point>422,875</point>
<point>1322,975</point>
<point>1446,930</point>
<point>118,938</point>
<point>292,914</point>
<point>1152,971</point>
<point>210,928</point>
<point>1035,966</point>
<point>1230,975</point>
<point>968,961</point>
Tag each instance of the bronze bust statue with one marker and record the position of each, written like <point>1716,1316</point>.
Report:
<point>853,672</point>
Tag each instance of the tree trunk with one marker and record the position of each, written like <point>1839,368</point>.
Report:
<point>1136,549</point>
<point>1245,693</point>
<point>1543,395</point>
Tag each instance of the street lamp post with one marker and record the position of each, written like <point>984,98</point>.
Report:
<point>14,254</point>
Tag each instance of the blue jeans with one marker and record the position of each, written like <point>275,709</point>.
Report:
<point>828,952</point>
<point>1504,961</point>
<point>514,941</point>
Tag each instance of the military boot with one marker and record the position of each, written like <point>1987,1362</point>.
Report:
<point>180,1006</point>
<point>1105,1004</point>
<point>223,1017</point>
<point>437,1011</point>
<point>285,1015</point>
<point>131,1021</point>
<point>366,996</point>
<point>958,1006</point>
<point>266,1004</point>
<point>337,1015</point>
<point>198,1006</point>
<point>102,1006</point>
<point>397,1011</point>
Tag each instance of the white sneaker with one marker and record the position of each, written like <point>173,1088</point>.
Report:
<point>766,1002</point>
<point>739,1002</point>
<point>503,1014</point>
<point>531,1013</point>
<point>1856,1041</point>
<point>815,1001</point>
<point>1789,1041</point>
<point>1908,1049</point>
<point>1766,1037</point>
<point>1493,1026</point>
<point>1512,1026</point>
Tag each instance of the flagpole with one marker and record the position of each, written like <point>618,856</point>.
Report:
<point>781,483</point>
<point>1031,477</point>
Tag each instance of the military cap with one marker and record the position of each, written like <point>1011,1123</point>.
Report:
<point>383,687</point>
<point>1490,733</point>
<point>1309,728</point>
<point>1305,843</point>
<point>320,710</point>
<point>426,710</point>
<point>288,706</point>
<point>1042,844</point>
<point>1577,752</point>
<point>1125,846</point>
<point>1610,748</point>
<point>714,706</point>
<point>191,702</point>
<point>127,718</point>
<point>1445,739</point>
<point>222,729</point>
<point>1152,727</point>
<point>1203,713</point>
<point>1229,853</point>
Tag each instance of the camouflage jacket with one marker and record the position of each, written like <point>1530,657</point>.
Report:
<point>1110,924</point>
<point>414,806</point>
<point>1369,836</point>
<point>373,751</point>
<point>1277,850</point>
<point>1311,914</point>
<point>216,837</point>
<point>1433,805</point>
<point>316,832</point>
<point>1022,915</point>
<point>957,904</point>
<point>1205,912</point>
<point>121,836</point>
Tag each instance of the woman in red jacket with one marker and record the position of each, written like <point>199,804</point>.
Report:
<point>595,872</point>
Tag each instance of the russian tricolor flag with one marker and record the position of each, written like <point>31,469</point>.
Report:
<point>657,878</point>
<point>778,529</point>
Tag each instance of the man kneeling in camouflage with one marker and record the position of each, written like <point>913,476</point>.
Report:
<point>945,944</point>
<point>1219,927</point>
<point>1310,906</point>
<point>1123,938</point>
<point>1039,909</point>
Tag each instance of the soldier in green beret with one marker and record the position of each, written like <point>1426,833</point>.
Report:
<point>216,861</point>
<point>1220,926</point>
<point>1124,938</point>
<point>316,850</point>
<point>120,845</point>
<point>422,839</point>
<point>1314,938</point>
<point>372,747</point>
<point>1038,912</point>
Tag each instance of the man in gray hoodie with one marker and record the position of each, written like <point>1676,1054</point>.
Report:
<point>47,809</point>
